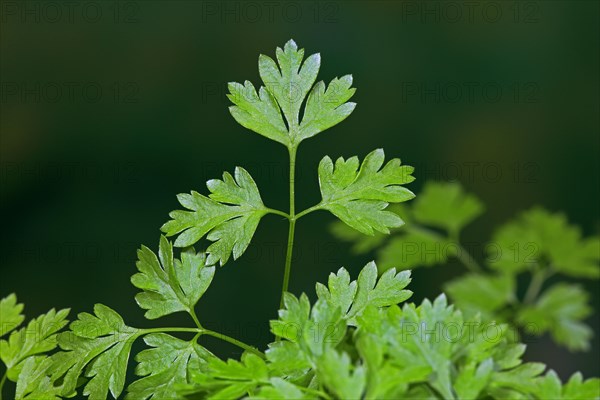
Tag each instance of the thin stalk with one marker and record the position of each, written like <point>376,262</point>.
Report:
<point>308,211</point>
<point>537,281</point>
<point>233,341</point>
<point>292,218</point>
<point>192,312</point>
<point>2,383</point>
<point>467,259</point>
<point>201,331</point>
<point>160,330</point>
<point>277,212</point>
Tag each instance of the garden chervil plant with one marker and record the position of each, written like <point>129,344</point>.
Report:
<point>358,340</point>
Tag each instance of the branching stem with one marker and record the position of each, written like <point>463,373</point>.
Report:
<point>308,211</point>
<point>277,212</point>
<point>233,341</point>
<point>200,332</point>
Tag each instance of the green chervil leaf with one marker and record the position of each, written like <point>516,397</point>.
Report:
<point>288,358</point>
<point>359,197</point>
<point>38,337</point>
<point>482,293</point>
<point>103,343</point>
<point>291,80</point>
<point>516,382</point>
<point>337,373</point>
<point>34,382</point>
<point>538,236</point>
<point>473,378</point>
<point>170,285</point>
<point>560,310</point>
<point>288,83</point>
<point>314,330</point>
<point>230,216</point>
<point>229,380</point>
<point>446,206</point>
<point>279,390</point>
<point>361,243</point>
<point>353,297</point>
<point>415,248</point>
<point>257,112</point>
<point>327,107</point>
<point>10,314</point>
<point>578,389</point>
<point>165,367</point>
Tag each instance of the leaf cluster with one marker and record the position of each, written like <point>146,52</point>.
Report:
<point>537,246</point>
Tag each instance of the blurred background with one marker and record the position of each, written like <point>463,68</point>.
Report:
<point>111,108</point>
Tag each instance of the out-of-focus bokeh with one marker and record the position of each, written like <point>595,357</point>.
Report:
<point>111,108</point>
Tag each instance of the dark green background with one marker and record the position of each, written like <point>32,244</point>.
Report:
<point>87,176</point>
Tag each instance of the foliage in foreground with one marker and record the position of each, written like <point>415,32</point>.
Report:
<point>360,339</point>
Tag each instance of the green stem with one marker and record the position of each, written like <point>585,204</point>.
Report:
<point>537,281</point>
<point>2,383</point>
<point>208,332</point>
<point>292,218</point>
<point>308,211</point>
<point>277,212</point>
<point>467,259</point>
<point>192,312</point>
<point>160,330</point>
<point>233,341</point>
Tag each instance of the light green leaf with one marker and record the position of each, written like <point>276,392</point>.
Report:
<point>519,379</point>
<point>324,330</point>
<point>578,389</point>
<point>288,358</point>
<point>361,243</point>
<point>34,382</point>
<point>228,380</point>
<point>230,216</point>
<point>10,314</point>
<point>340,291</point>
<point>292,318</point>
<point>170,285</point>
<point>473,378</point>
<point>360,197</point>
<point>327,107</point>
<point>39,336</point>
<point>540,237</point>
<point>279,390</point>
<point>291,80</point>
<point>287,85</point>
<point>446,206</point>
<point>257,112</point>
<point>425,345</point>
<point>353,297</point>
<point>475,293</point>
<point>385,378</point>
<point>339,376</point>
<point>386,291</point>
<point>165,367</point>
<point>415,248</point>
<point>560,310</point>
<point>102,342</point>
